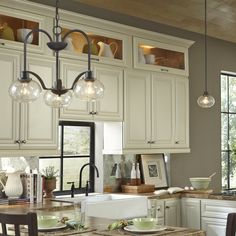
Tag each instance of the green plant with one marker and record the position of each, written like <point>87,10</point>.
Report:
<point>50,172</point>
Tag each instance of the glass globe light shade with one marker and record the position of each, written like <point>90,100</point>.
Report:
<point>25,91</point>
<point>206,100</point>
<point>88,90</point>
<point>56,101</point>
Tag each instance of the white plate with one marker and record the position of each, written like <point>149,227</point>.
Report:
<point>58,226</point>
<point>132,228</point>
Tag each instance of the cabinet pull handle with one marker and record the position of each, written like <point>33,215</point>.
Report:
<point>94,59</point>
<point>17,141</point>
<point>166,70</point>
<point>149,142</point>
<point>167,207</point>
<point>23,141</point>
<point>152,142</point>
<point>3,44</point>
<point>158,209</point>
<point>93,113</point>
<point>176,142</point>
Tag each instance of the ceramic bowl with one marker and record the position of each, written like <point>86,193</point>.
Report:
<point>144,223</point>
<point>47,221</point>
<point>200,182</point>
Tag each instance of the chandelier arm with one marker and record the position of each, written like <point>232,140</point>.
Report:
<point>77,78</point>
<point>26,39</point>
<point>38,78</point>
<point>88,42</point>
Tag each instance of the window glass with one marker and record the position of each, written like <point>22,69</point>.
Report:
<point>77,147</point>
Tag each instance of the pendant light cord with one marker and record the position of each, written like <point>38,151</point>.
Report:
<point>205,42</point>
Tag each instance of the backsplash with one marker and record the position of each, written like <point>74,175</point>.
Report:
<point>110,183</point>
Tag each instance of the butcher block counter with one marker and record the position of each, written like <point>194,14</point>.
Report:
<point>95,226</point>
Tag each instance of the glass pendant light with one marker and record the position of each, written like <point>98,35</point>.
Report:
<point>87,88</point>
<point>25,91</point>
<point>206,100</point>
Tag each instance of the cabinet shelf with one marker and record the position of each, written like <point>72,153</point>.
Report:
<point>9,26</point>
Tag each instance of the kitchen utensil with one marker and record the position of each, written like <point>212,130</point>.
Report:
<point>13,186</point>
<point>106,49</point>
<point>200,182</point>
<point>212,175</point>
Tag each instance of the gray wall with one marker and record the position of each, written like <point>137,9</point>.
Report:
<point>205,157</point>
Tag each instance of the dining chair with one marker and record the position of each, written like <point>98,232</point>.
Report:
<point>231,224</point>
<point>28,219</point>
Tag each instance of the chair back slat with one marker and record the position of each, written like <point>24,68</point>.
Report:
<point>18,221</point>
<point>231,224</point>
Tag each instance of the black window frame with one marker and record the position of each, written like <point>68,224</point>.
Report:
<point>62,157</point>
<point>227,151</point>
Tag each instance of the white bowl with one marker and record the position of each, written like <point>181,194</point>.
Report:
<point>21,34</point>
<point>200,182</point>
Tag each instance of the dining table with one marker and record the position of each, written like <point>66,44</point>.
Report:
<point>99,226</point>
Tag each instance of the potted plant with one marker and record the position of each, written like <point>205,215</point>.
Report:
<point>50,175</point>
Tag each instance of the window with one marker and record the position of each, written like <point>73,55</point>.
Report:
<point>77,147</point>
<point>228,130</point>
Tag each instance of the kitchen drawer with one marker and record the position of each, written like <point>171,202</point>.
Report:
<point>217,208</point>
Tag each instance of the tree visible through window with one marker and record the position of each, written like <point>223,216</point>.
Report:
<point>76,141</point>
<point>228,130</point>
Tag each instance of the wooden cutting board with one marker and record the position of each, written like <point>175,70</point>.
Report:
<point>143,188</point>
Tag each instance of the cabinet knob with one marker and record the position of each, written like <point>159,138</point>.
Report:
<point>152,142</point>
<point>149,142</point>
<point>166,70</point>
<point>3,44</point>
<point>23,141</point>
<point>167,207</point>
<point>93,113</point>
<point>176,142</point>
<point>94,59</point>
<point>158,209</point>
<point>17,141</point>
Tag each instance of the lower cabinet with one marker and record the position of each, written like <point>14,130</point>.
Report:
<point>214,226</point>
<point>214,216</point>
<point>166,211</point>
<point>191,213</point>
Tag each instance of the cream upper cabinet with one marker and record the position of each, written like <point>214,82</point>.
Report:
<point>155,112</point>
<point>107,46</point>
<point>137,110</point>
<point>160,56</point>
<point>110,107</point>
<point>15,24</point>
<point>9,125</point>
<point>32,127</point>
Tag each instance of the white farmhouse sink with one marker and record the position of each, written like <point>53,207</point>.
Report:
<point>112,206</point>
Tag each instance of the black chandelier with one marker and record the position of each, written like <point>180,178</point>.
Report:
<point>84,87</point>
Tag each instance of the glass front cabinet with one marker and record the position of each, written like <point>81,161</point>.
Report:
<point>158,56</point>
<point>106,46</point>
<point>15,25</point>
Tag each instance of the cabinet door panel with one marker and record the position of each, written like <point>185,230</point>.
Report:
<point>172,212</point>
<point>162,111</point>
<point>110,106</point>
<point>39,121</point>
<point>181,113</point>
<point>9,125</point>
<point>77,109</point>
<point>214,226</point>
<point>137,110</point>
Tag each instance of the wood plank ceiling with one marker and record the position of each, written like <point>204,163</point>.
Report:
<point>184,14</point>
